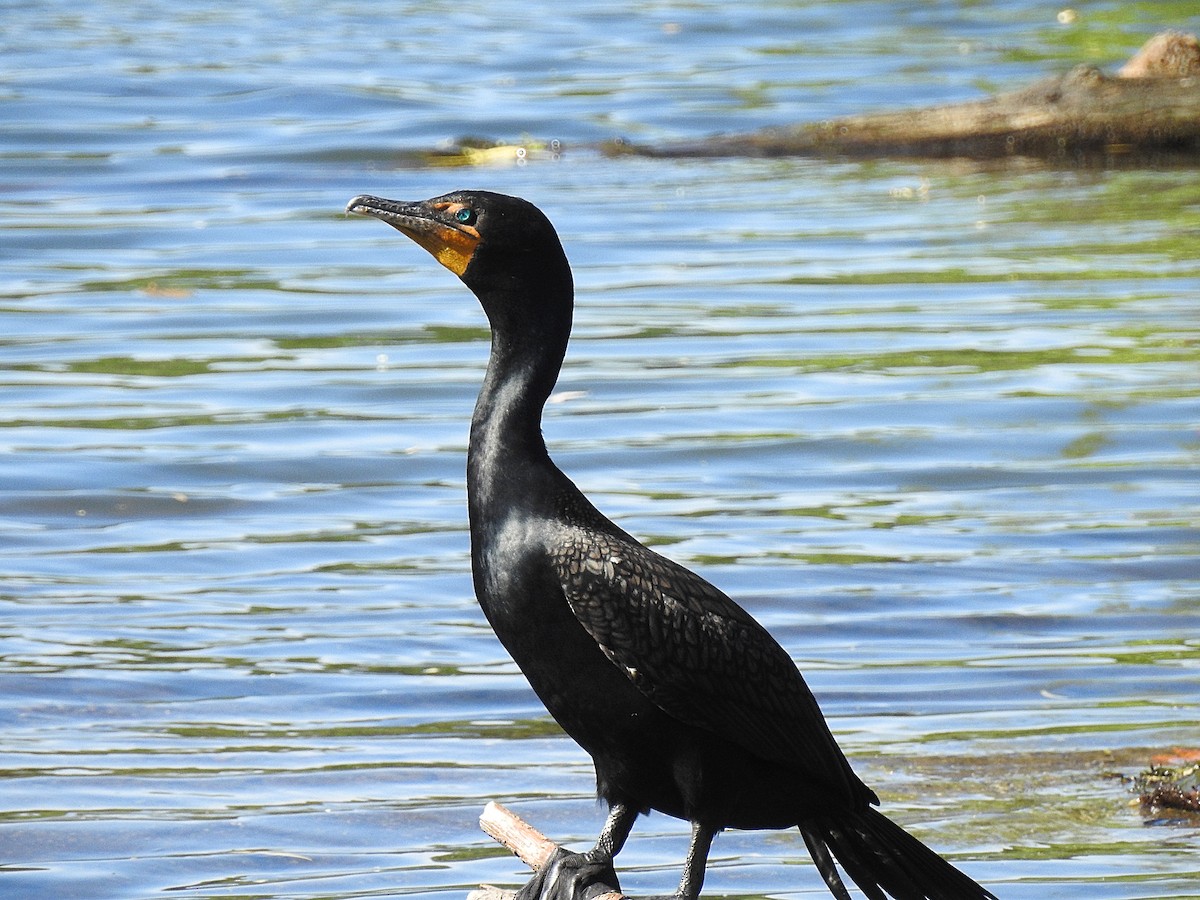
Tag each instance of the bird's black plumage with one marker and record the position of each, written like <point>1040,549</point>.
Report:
<point>686,704</point>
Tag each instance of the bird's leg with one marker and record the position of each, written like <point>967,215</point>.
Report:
<point>616,829</point>
<point>697,860</point>
<point>581,876</point>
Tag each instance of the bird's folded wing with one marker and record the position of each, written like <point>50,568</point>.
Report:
<point>695,653</point>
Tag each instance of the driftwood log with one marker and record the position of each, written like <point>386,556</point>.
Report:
<point>530,845</point>
<point>1150,108</point>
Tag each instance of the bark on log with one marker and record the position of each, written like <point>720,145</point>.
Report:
<point>1151,108</point>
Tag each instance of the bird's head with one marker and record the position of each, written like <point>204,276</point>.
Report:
<point>503,248</point>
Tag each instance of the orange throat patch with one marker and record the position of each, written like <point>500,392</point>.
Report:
<point>452,247</point>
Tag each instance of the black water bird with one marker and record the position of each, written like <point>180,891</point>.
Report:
<point>686,704</point>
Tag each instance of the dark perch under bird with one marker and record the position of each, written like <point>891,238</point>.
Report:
<point>686,704</point>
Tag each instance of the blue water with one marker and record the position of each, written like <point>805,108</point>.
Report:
<point>936,424</point>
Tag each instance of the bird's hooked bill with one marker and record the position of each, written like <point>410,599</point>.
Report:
<point>442,226</point>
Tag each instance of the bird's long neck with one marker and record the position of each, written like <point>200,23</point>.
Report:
<point>507,458</point>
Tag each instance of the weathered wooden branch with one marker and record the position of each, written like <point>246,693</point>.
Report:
<point>531,846</point>
<point>1151,106</point>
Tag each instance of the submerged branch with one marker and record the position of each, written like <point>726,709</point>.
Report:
<point>1151,106</point>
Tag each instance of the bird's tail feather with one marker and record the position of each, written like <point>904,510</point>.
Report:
<point>884,860</point>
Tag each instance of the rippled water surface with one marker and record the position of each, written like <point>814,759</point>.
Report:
<point>936,424</point>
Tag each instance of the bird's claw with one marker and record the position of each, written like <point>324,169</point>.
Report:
<point>572,876</point>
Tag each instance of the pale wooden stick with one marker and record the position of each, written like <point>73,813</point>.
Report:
<point>530,845</point>
<point>489,892</point>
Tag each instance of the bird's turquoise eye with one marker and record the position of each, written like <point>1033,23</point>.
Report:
<point>466,215</point>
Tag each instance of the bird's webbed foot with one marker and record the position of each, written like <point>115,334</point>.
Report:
<point>572,876</point>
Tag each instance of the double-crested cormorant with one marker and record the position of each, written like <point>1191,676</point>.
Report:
<point>686,704</point>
